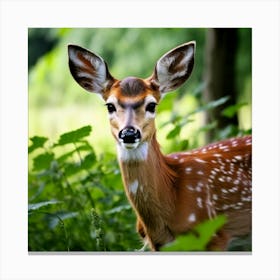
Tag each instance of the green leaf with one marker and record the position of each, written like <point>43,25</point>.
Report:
<point>74,136</point>
<point>174,132</point>
<point>208,127</point>
<point>184,145</point>
<point>88,161</point>
<point>216,103</point>
<point>36,206</point>
<point>37,142</point>
<point>207,229</point>
<point>198,239</point>
<point>43,161</point>
<point>210,105</point>
<point>231,111</point>
<point>84,147</point>
<point>118,209</point>
<point>65,156</point>
<point>71,169</point>
<point>56,218</point>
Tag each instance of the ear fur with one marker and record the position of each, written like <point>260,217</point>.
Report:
<point>89,70</point>
<point>174,67</point>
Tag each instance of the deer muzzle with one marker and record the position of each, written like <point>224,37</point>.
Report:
<point>129,137</point>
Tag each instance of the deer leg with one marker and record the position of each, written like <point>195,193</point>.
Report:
<point>219,241</point>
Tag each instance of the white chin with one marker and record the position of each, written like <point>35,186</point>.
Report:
<point>133,152</point>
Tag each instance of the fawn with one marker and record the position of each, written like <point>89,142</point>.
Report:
<point>170,194</point>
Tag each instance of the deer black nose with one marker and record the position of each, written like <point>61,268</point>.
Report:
<point>129,135</point>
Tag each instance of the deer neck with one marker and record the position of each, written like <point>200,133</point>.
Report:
<point>148,177</point>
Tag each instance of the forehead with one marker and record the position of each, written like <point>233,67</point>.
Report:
<point>133,89</point>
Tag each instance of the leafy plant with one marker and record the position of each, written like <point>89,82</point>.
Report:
<point>76,199</point>
<point>198,238</point>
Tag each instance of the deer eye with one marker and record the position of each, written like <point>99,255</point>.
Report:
<point>111,108</point>
<point>151,107</point>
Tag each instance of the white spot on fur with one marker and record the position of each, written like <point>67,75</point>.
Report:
<point>213,172</point>
<point>217,155</point>
<point>234,143</point>
<point>200,160</point>
<point>190,187</point>
<point>192,218</point>
<point>223,147</point>
<point>229,178</point>
<point>133,187</point>
<point>215,197</point>
<point>188,170</point>
<point>248,141</point>
<point>238,157</point>
<point>221,179</point>
<point>199,202</point>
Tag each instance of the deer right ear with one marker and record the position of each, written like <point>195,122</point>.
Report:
<point>89,70</point>
<point>174,68</point>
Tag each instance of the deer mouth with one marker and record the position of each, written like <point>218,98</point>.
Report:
<point>130,146</point>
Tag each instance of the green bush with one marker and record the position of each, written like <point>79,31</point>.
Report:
<point>76,199</point>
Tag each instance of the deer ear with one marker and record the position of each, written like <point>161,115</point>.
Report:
<point>174,68</point>
<point>89,70</point>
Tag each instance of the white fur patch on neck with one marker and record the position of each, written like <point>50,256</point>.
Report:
<point>133,187</point>
<point>138,154</point>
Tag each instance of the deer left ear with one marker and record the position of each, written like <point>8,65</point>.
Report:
<point>174,68</point>
<point>89,70</point>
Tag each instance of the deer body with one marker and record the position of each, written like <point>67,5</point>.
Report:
<point>170,194</point>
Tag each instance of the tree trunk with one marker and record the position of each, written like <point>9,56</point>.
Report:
<point>220,58</point>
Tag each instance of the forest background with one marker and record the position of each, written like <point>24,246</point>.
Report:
<point>76,197</point>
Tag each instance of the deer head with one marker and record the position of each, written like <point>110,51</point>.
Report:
<point>132,102</point>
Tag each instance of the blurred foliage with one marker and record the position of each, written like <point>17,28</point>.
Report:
<point>76,197</point>
<point>40,41</point>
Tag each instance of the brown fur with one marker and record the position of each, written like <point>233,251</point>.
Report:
<point>165,202</point>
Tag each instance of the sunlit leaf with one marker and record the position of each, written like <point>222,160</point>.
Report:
<point>74,136</point>
<point>232,110</point>
<point>71,169</point>
<point>43,161</point>
<point>184,145</point>
<point>37,142</point>
<point>88,161</point>
<point>174,132</point>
